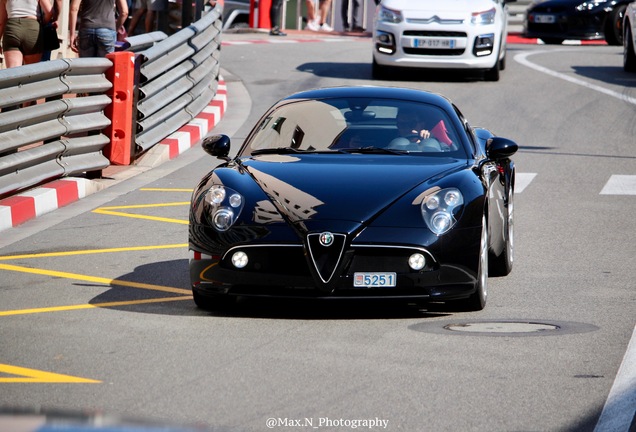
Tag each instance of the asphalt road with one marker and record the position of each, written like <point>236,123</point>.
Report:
<point>95,312</point>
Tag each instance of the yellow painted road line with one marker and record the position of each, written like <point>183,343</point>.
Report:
<point>94,279</point>
<point>138,216</point>
<point>141,206</point>
<point>166,190</point>
<point>92,306</point>
<point>112,211</point>
<point>93,251</point>
<point>25,375</point>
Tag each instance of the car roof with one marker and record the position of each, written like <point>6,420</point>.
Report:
<point>376,92</point>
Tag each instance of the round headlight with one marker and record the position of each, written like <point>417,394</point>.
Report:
<point>235,200</point>
<point>452,198</point>
<point>216,194</point>
<point>432,202</point>
<point>440,222</point>
<point>223,219</point>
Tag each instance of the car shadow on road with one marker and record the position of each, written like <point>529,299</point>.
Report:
<point>332,309</point>
<point>161,287</point>
<point>164,288</point>
<point>362,71</point>
<point>609,75</point>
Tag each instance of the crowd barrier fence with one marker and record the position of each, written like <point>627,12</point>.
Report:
<point>77,116</point>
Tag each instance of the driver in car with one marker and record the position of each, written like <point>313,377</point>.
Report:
<point>415,134</point>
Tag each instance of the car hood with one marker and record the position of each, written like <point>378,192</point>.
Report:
<point>353,188</point>
<point>424,8</point>
<point>553,3</point>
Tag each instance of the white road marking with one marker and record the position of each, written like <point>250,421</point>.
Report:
<point>523,59</point>
<point>620,185</point>
<point>522,180</point>
<point>619,412</point>
<point>620,409</point>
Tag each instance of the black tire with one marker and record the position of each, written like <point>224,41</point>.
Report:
<point>502,265</point>
<point>629,57</point>
<point>493,73</point>
<point>379,71</point>
<point>477,301</point>
<point>614,26</point>
<point>214,302</point>
<point>552,41</point>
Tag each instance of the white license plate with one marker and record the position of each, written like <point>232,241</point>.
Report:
<point>434,43</point>
<point>544,19</point>
<point>374,280</point>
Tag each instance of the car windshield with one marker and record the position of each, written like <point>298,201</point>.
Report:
<point>356,126</point>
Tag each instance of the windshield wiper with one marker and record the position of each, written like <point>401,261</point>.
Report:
<point>373,150</point>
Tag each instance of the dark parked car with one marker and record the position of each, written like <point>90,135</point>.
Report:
<point>236,14</point>
<point>554,21</point>
<point>355,192</point>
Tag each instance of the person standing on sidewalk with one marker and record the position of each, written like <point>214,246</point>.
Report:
<point>98,26</point>
<point>274,17</point>
<point>318,23</point>
<point>150,8</point>
<point>21,31</point>
<point>354,15</point>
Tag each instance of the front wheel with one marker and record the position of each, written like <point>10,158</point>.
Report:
<point>502,265</point>
<point>629,55</point>
<point>492,74</point>
<point>477,301</point>
<point>552,41</point>
<point>614,26</point>
<point>379,71</point>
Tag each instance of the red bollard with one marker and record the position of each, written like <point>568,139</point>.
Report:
<point>120,111</point>
<point>259,13</point>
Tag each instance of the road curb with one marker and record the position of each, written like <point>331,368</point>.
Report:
<point>22,207</point>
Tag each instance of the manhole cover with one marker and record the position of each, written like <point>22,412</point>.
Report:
<point>503,327</point>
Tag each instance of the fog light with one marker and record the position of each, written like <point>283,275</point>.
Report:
<point>417,261</point>
<point>385,43</point>
<point>239,259</point>
<point>484,45</point>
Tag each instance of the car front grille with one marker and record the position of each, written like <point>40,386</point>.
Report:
<point>434,52</point>
<point>435,33</point>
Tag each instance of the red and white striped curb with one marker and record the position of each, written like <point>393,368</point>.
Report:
<point>191,133</point>
<point>28,205</point>
<point>36,202</point>
<point>198,256</point>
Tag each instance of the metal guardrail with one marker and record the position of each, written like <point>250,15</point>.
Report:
<point>47,131</point>
<point>517,14</point>
<point>178,77</point>
<point>41,141</point>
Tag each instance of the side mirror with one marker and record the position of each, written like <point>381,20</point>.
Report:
<point>500,148</point>
<point>217,146</point>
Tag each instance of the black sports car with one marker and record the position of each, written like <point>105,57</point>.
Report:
<point>554,21</point>
<point>355,192</point>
